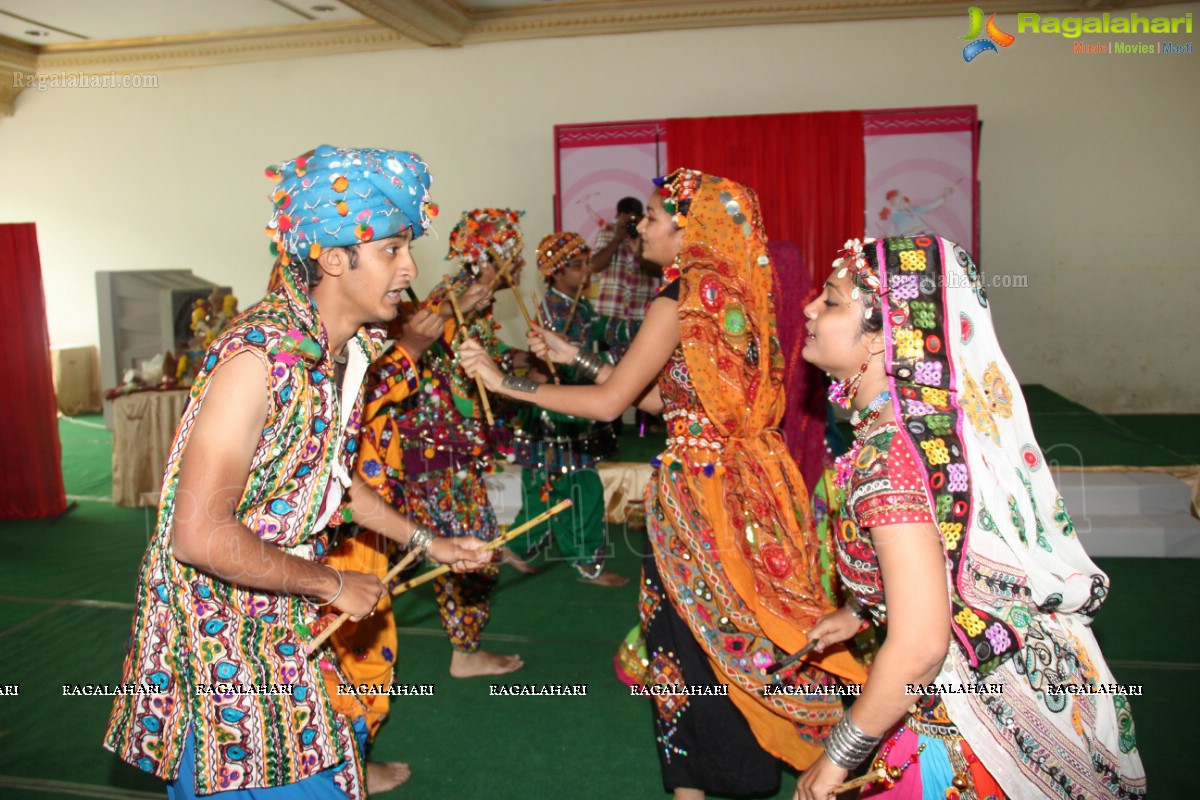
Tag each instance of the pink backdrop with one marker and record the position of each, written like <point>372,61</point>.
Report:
<point>597,165</point>
<point>926,159</point>
<point>927,156</point>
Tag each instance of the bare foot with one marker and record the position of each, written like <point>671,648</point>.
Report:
<point>385,776</point>
<point>508,556</point>
<point>608,579</point>
<point>471,665</point>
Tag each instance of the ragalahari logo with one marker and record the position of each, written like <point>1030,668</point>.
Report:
<point>995,36</point>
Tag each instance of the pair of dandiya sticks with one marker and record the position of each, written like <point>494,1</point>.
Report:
<point>503,268</point>
<point>495,544</point>
<point>407,561</point>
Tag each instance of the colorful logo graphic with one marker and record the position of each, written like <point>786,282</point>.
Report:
<point>995,36</point>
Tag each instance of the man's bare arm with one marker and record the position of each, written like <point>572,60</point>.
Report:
<point>212,477</point>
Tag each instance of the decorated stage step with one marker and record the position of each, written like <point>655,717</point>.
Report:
<point>1118,514</point>
<point>1140,535</point>
<point>1090,492</point>
<point>1131,514</point>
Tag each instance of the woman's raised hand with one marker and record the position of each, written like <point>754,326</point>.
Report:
<point>474,360</point>
<point>549,345</point>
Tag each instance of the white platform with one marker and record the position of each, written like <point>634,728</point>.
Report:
<point>1122,514</point>
<point>1131,514</point>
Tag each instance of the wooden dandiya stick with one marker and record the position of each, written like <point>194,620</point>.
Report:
<point>545,323</point>
<point>320,638</point>
<point>490,286</point>
<point>495,544</point>
<point>877,774</point>
<point>528,319</point>
<point>501,273</point>
<point>462,327</point>
<point>574,306</point>
<point>502,268</point>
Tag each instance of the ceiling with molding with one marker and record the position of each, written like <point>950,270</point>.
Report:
<point>132,36</point>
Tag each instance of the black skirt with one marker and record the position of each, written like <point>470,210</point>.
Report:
<point>704,742</point>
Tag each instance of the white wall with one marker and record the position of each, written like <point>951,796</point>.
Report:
<point>1089,165</point>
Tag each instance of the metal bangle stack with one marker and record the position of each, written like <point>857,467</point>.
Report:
<point>588,364</point>
<point>847,746</point>
<point>421,538</point>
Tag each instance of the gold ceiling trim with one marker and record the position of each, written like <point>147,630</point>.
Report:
<point>258,44</point>
<point>495,25</point>
<point>397,24</point>
<point>18,60</point>
<point>436,23</point>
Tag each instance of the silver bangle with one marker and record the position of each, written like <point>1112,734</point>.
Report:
<point>422,537</point>
<point>588,364</point>
<point>513,383</point>
<point>847,746</point>
<point>341,585</point>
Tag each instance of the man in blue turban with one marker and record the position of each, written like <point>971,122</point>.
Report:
<point>229,699</point>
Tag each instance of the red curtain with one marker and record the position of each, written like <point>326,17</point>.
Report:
<point>804,415</point>
<point>31,485</point>
<point>808,170</point>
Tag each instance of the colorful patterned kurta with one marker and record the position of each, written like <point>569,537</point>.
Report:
<point>193,633</point>
<point>364,652</point>
<point>444,452</point>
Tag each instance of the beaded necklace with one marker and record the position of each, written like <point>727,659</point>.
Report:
<point>844,464</point>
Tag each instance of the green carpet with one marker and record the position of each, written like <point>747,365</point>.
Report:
<point>66,588</point>
<point>88,470</point>
<point>1179,433</point>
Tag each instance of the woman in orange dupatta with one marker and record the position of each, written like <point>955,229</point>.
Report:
<point>733,581</point>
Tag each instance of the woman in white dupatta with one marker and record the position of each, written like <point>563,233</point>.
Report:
<point>990,682</point>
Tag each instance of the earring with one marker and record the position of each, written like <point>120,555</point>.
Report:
<point>843,392</point>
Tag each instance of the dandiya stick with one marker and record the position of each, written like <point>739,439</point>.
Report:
<point>317,641</point>
<point>793,658</point>
<point>462,326</point>
<point>545,323</point>
<point>502,268</point>
<point>320,639</point>
<point>492,545</point>
<point>525,314</point>
<point>860,781</point>
<point>574,306</point>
